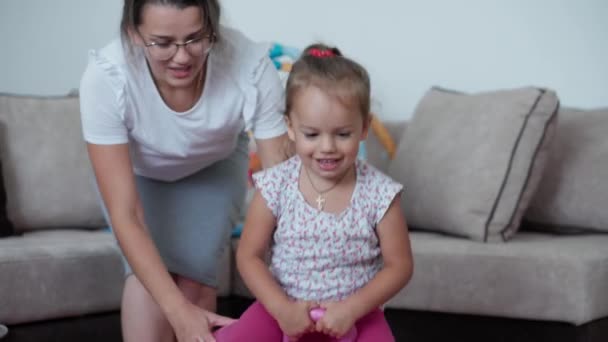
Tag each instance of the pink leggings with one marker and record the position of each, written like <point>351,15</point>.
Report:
<point>256,324</point>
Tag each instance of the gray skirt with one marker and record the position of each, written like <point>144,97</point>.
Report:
<point>190,220</point>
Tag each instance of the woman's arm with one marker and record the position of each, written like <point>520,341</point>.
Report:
<point>102,120</point>
<point>113,171</point>
<point>398,263</point>
<point>251,256</point>
<point>274,150</point>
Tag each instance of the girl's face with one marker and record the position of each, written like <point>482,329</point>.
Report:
<point>326,133</point>
<point>161,27</point>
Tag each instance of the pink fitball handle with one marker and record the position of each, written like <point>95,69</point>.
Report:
<point>351,335</point>
<point>316,314</point>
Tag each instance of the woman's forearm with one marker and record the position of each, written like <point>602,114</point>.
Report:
<point>114,176</point>
<point>147,265</point>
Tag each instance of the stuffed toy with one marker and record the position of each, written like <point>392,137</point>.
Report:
<point>384,136</point>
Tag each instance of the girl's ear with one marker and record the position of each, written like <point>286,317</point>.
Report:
<point>366,123</point>
<point>135,37</point>
<point>290,132</point>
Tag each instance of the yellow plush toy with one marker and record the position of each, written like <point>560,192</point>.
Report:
<point>384,136</point>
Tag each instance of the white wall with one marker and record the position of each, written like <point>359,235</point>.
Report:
<point>407,46</point>
<point>44,43</point>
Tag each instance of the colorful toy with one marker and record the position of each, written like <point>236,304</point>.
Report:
<point>255,165</point>
<point>362,154</point>
<point>384,136</point>
<point>237,230</point>
<point>283,56</point>
<point>316,314</point>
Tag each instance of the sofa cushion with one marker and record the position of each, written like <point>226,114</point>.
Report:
<point>47,174</point>
<point>6,226</point>
<point>52,274</point>
<point>470,163</point>
<point>533,276</point>
<point>63,273</point>
<point>573,194</point>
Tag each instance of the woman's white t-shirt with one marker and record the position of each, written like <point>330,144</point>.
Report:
<point>120,104</point>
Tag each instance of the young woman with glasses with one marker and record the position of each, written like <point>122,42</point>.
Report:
<point>164,111</point>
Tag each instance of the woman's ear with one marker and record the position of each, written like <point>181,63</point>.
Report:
<point>135,37</point>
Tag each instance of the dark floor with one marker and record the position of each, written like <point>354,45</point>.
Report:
<point>407,326</point>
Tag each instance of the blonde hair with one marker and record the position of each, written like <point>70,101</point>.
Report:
<point>326,68</point>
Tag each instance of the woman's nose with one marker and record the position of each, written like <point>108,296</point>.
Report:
<point>181,55</point>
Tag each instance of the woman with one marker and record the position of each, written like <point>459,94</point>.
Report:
<point>164,111</point>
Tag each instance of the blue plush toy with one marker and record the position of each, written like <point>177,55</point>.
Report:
<point>283,56</point>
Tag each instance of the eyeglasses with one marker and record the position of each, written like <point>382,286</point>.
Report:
<point>196,47</point>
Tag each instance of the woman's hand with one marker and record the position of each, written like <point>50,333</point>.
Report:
<point>294,319</point>
<point>193,323</point>
<point>337,320</point>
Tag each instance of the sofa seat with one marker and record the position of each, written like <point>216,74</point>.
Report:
<point>66,272</point>
<point>58,273</point>
<point>533,276</point>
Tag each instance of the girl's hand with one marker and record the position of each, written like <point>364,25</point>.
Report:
<point>193,323</point>
<point>337,320</point>
<point>295,319</point>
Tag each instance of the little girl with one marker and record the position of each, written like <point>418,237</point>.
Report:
<point>333,224</point>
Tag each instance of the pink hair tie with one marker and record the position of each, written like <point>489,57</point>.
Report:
<point>315,52</point>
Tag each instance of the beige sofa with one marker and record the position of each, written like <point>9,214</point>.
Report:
<point>552,268</point>
<point>65,263</point>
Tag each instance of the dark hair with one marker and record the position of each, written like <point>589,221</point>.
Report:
<point>326,68</point>
<point>132,11</point>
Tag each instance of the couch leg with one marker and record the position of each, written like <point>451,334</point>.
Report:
<point>3,330</point>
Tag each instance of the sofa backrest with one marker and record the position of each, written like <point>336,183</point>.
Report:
<point>47,174</point>
<point>573,194</point>
<point>573,191</point>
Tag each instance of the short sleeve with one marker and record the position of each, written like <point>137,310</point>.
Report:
<point>102,103</point>
<point>268,121</point>
<point>385,189</point>
<point>269,183</point>
<point>258,79</point>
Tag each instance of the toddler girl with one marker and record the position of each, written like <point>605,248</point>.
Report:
<point>333,224</point>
